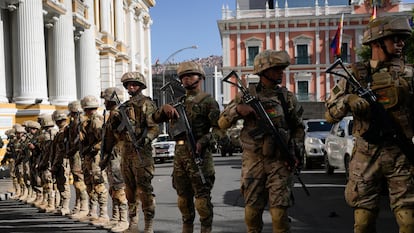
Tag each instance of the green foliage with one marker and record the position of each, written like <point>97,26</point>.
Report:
<point>364,53</point>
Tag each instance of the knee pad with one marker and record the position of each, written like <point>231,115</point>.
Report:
<point>204,207</point>
<point>120,195</point>
<point>364,220</point>
<point>280,220</point>
<point>253,219</point>
<point>100,188</point>
<point>405,220</point>
<point>186,207</point>
<point>79,185</point>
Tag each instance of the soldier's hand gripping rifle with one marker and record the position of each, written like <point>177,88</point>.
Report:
<point>382,126</point>
<point>125,123</point>
<point>266,123</point>
<point>172,87</point>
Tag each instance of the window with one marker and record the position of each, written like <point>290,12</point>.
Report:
<point>252,51</point>
<point>303,93</point>
<point>344,53</point>
<point>302,54</point>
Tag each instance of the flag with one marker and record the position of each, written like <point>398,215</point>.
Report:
<point>336,43</point>
<point>374,11</point>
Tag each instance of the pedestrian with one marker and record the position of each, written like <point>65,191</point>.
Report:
<point>90,146</point>
<point>60,166</point>
<point>132,129</point>
<point>111,162</point>
<point>81,207</point>
<point>267,174</point>
<point>379,153</point>
<point>202,111</point>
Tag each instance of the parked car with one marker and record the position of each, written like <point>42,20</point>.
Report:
<point>163,148</point>
<point>339,145</point>
<point>316,131</point>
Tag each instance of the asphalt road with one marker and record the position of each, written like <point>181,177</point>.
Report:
<point>325,211</point>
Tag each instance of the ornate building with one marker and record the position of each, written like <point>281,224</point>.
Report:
<point>304,29</point>
<point>56,51</point>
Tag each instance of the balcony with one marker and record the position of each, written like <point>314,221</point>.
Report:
<point>80,15</point>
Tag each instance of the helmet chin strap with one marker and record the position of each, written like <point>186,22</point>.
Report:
<point>276,82</point>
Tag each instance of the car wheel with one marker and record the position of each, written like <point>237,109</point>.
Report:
<point>328,168</point>
<point>347,158</point>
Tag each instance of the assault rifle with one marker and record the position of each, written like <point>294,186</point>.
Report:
<point>265,123</point>
<point>125,123</point>
<point>172,87</point>
<point>382,125</point>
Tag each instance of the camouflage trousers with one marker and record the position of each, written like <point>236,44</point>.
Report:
<point>62,179</point>
<point>366,177</point>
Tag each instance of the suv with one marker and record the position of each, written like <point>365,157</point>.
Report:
<point>163,148</point>
<point>339,145</point>
<point>316,131</point>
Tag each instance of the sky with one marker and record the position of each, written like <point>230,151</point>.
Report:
<point>179,24</point>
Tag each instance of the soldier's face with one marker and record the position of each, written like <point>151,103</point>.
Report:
<point>394,45</point>
<point>190,81</point>
<point>133,88</point>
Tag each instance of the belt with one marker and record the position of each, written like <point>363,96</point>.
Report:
<point>180,142</point>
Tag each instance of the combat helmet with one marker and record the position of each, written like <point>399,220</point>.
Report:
<point>19,128</point>
<point>89,101</point>
<point>59,115</point>
<point>108,94</point>
<point>190,67</point>
<point>75,106</point>
<point>133,77</point>
<point>32,124</point>
<point>47,121</point>
<point>386,26</point>
<point>270,58</point>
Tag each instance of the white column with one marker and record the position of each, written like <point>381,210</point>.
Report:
<point>132,38</point>
<point>104,16</point>
<point>32,82</point>
<point>3,94</point>
<point>62,81</point>
<point>119,21</point>
<point>141,42</point>
<point>87,61</point>
<point>147,61</point>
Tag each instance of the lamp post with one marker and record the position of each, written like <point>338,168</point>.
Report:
<point>163,76</point>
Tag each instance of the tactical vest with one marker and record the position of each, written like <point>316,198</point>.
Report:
<point>137,117</point>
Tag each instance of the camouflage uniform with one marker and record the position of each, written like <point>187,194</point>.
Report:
<point>266,177</point>
<point>21,160</point>
<point>10,158</point>
<point>33,149</point>
<point>112,163</point>
<point>81,208</point>
<point>378,158</point>
<point>60,166</point>
<point>50,193</point>
<point>95,179</point>
<point>203,112</point>
<point>137,165</point>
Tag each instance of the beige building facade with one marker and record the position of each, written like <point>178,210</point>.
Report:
<point>56,51</point>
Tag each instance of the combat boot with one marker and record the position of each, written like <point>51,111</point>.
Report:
<point>31,195</point>
<point>205,229</point>
<point>24,193</point>
<point>115,216</point>
<point>51,205</point>
<point>38,200</point>
<point>103,218</point>
<point>84,206</point>
<point>148,225</point>
<point>188,228</point>
<point>64,210</point>
<point>17,190</point>
<point>123,223</point>
<point>91,216</point>
<point>133,224</point>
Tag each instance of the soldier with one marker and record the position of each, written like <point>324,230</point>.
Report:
<point>20,160</point>
<point>60,166</point>
<point>377,154</point>
<point>203,112</point>
<point>112,163</point>
<point>81,208</point>
<point>33,149</point>
<point>10,158</point>
<point>266,174</point>
<point>50,192</point>
<point>132,120</point>
<point>95,179</point>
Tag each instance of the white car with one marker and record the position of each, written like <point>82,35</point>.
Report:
<point>316,131</point>
<point>339,145</point>
<point>163,148</point>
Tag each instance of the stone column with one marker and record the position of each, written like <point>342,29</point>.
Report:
<point>105,16</point>
<point>119,22</point>
<point>3,94</point>
<point>87,60</point>
<point>31,83</point>
<point>62,76</point>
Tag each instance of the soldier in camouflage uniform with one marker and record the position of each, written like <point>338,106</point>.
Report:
<point>50,192</point>
<point>266,176</point>
<point>203,112</point>
<point>10,158</point>
<point>60,165</point>
<point>81,208</point>
<point>95,179</point>
<point>20,160</point>
<point>112,163</point>
<point>33,149</point>
<point>377,157</point>
<point>137,164</point>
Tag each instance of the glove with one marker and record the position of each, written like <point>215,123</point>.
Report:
<point>244,110</point>
<point>358,105</point>
<point>170,111</point>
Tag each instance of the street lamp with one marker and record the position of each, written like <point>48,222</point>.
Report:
<point>163,76</point>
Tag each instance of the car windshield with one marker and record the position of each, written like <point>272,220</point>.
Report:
<point>162,138</point>
<point>315,126</point>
